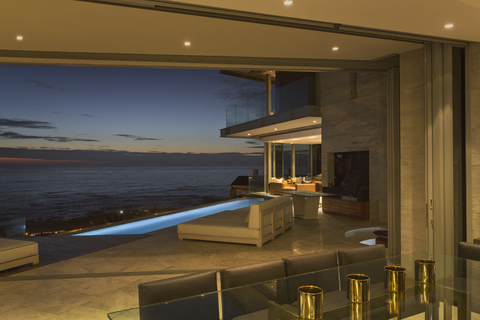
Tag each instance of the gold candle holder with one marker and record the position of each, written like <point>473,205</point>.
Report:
<point>425,271</point>
<point>359,311</point>
<point>310,301</point>
<point>425,292</point>
<point>395,303</point>
<point>395,278</point>
<point>358,288</point>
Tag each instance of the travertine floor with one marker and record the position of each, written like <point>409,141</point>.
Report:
<point>94,284</point>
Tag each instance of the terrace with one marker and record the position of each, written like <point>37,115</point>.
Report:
<point>89,277</point>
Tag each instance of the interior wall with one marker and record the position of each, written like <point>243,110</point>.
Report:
<point>412,151</point>
<point>474,69</point>
<point>357,124</point>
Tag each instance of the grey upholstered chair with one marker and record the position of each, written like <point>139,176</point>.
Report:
<point>469,251</point>
<point>241,299</point>
<point>252,273</point>
<point>307,265</point>
<point>372,259</point>
<point>176,288</point>
<point>361,254</point>
<point>310,262</point>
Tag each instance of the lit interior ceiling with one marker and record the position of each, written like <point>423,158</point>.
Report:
<point>305,123</point>
<point>82,33</point>
<point>311,136</point>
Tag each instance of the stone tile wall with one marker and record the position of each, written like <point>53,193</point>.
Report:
<point>412,151</point>
<point>474,69</point>
<point>357,124</point>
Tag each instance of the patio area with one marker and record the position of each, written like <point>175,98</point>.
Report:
<point>89,277</point>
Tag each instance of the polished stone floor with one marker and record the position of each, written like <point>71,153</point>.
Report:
<point>98,276</point>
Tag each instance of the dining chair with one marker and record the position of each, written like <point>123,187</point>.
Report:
<point>244,291</point>
<point>308,265</point>
<point>369,260</point>
<point>252,273</point>
<point>469,251</point>
<point>176,287</point>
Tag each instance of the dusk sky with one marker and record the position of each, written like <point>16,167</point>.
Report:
<point>109,110</point>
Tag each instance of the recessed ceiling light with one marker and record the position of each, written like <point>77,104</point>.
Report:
<point>275,128</point>
<point>335,48</point>
<point>287,2</point>
<point>248,134</point>
<point>448,26</point>
<point>187,43</point>
<point>314,121</point>
<point>19,38</point>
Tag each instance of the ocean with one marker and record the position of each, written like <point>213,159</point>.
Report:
<point>66,193</point>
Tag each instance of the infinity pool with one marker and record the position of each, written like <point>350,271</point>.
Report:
<point>157,223</point>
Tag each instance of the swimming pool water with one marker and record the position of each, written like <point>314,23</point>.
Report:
<point>157,223</point>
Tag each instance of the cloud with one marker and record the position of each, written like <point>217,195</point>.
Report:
<point>18,136</point>
<point>254,144</point>
<point>88,115</point>
<point>42,84</point>
<point>22,123</point>
<point>136,138</point>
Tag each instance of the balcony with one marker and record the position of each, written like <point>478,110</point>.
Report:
<point>250,109</point>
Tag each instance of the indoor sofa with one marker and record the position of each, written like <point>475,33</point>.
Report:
<point>257,224</point>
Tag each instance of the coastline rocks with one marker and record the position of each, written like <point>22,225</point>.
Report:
<point>95,218</point>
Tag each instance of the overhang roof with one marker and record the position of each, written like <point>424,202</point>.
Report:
<point>82,33</point>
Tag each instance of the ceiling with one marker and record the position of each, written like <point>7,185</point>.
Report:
<point>72,32</point>
<point>426,17</point>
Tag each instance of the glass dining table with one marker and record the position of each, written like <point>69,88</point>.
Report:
<point>455,294</point>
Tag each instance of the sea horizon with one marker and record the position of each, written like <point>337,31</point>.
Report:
<point>57,192</point>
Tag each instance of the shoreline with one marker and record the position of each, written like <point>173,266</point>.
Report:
<point>96,218</point>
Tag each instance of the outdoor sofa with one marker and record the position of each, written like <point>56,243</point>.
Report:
<point>257,224</point>
<point>14,253</point>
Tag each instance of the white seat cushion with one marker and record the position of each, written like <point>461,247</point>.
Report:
<point>220,228</point>
<point>11,250</point>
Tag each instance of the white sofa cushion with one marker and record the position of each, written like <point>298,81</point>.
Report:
<point>11,250</point>
<point>219,228</point>
<point>229,215</point>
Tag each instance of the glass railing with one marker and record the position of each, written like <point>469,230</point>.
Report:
<point>12,213</point>
<point>256,184</point>
<point>292,95</point>
<point>288,97</point>
<point>249,109</point>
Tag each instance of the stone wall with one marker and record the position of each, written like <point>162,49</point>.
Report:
<point>474,69</point>
<point>357,124</point>
<point>412,151</point>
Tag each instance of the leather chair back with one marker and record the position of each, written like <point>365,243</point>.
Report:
<point>177,287</point>
<point>252,273</point>
<point>372,259</point>
<point>306,265</point>
<point>469,251</point>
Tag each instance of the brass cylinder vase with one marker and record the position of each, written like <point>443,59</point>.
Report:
<point>310,302</point>
<point>358,288</point>
<point>425,271</point>
<point>395,302</point>
<point>359,311</point>
<point>395,278</point>
<point>425,292</point>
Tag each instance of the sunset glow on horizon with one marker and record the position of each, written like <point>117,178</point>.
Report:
<point>26,161</point>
